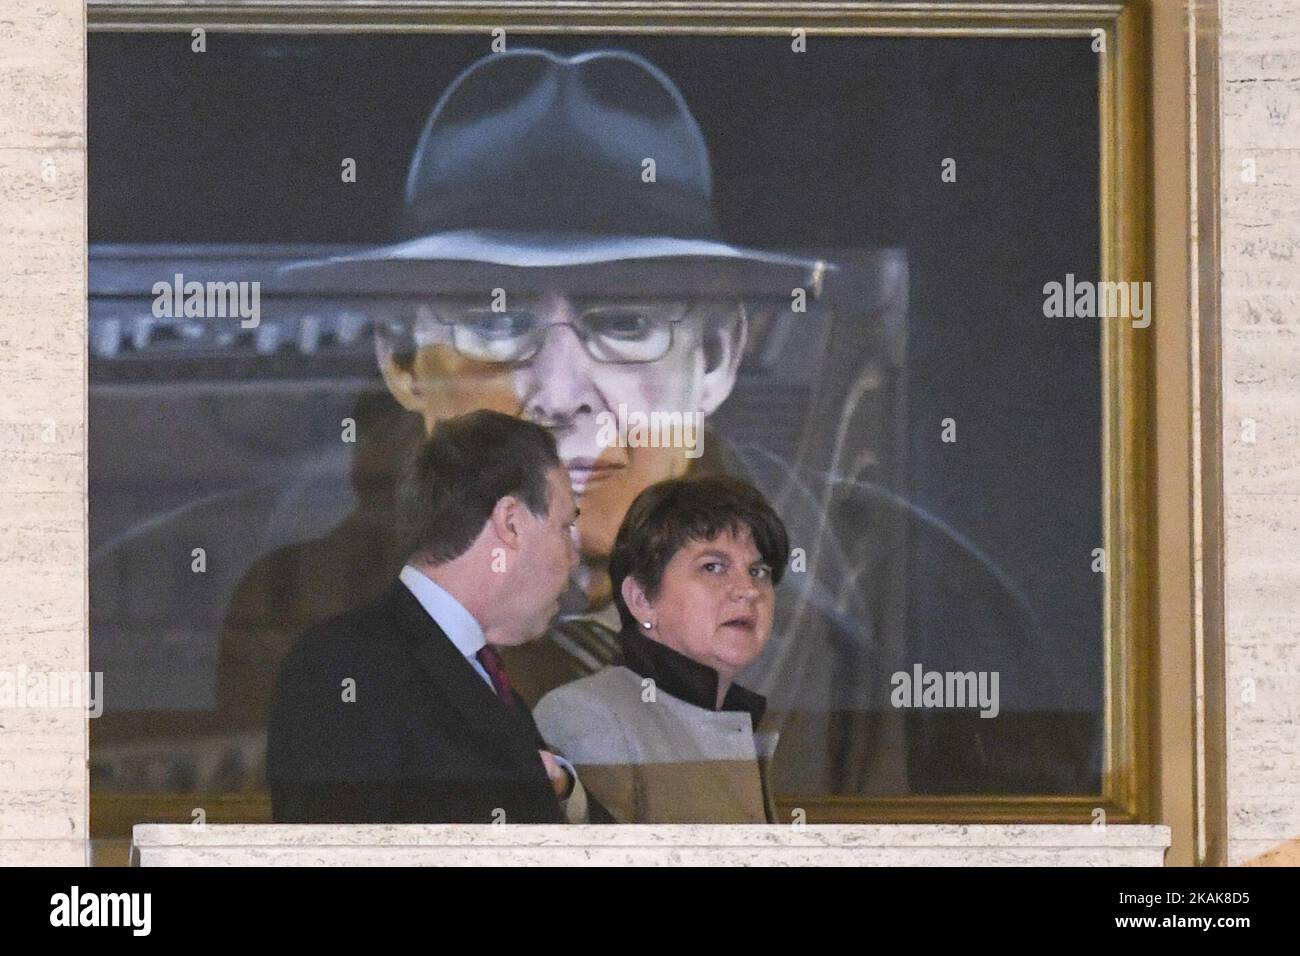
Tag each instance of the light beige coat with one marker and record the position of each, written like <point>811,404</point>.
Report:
<point>649,757</point>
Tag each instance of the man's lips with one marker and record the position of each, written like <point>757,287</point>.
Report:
<point>585,471</point>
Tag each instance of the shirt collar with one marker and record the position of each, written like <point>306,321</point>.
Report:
<point>685,679</point>
<point>448,613</point>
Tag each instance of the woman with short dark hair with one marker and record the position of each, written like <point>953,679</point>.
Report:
<point>668,736</point>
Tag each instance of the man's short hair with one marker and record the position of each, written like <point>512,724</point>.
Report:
<point>668,514</point>
<point>459,473</point>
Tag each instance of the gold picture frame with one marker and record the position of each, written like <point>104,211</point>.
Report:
<point>1130,787</point>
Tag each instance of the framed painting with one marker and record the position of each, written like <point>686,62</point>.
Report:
<point>908,245</point>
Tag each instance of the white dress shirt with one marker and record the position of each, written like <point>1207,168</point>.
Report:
<point>464,631</point>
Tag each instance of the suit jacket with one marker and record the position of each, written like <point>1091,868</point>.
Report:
<point>652,747</point>
<point>424,741</point>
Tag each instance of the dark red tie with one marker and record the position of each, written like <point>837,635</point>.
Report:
<point>496,670</point>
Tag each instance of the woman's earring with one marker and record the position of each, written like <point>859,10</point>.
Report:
<point>646,625</point>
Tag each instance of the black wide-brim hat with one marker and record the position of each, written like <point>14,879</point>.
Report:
<point>534,170</point>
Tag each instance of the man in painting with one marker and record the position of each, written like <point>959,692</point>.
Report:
<point>560,261</point>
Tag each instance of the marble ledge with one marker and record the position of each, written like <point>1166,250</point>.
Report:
<point>478,845</point>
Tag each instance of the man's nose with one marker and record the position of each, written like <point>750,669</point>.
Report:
<point>557,383</point>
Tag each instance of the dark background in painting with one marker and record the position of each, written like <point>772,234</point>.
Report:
<point>838,147</point>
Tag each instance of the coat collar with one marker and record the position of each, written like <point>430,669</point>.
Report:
<point>450,615</point>
<point>426,641</point>
<point>685,679</point>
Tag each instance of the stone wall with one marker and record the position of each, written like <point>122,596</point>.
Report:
<point>43,778</point>
<point>1260,183</point>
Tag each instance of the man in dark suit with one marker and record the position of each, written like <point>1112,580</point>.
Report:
<point>401,711</point>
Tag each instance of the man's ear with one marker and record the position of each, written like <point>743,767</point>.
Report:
<point>723,344</point>
<point>399,372</point>
<point>505,521</point>
<point>634,597</point>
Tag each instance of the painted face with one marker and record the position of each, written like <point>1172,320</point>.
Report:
<point>548,556</point>
<point>567,390</point>
<point>716,602</point>
<point>563,386</point>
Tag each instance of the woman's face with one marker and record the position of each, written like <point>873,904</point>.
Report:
<point>716,602</point>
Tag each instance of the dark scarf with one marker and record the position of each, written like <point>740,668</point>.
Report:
<point>685,679</point>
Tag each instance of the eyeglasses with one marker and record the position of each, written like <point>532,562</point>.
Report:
<point>625,333</point>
